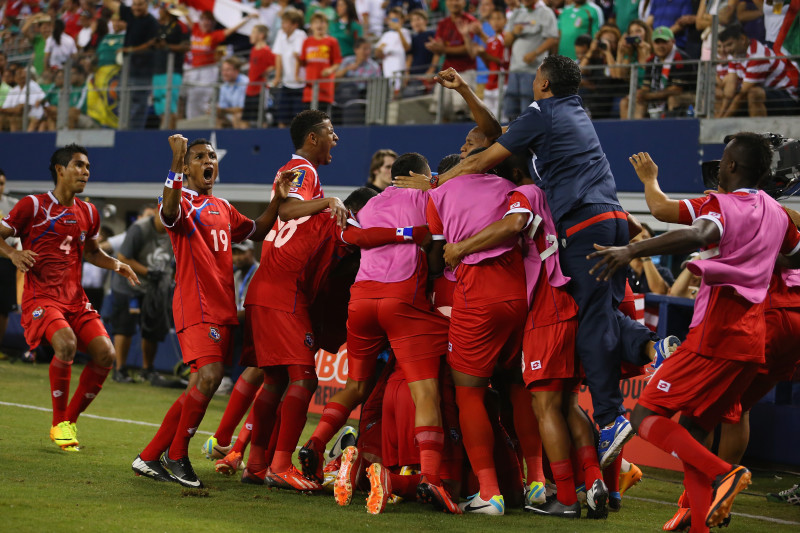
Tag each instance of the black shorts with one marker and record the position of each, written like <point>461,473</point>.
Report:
<point>8,286</point>
<point>123,322</point>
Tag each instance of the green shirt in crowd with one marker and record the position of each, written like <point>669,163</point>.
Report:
<point>575,21</point>
<point>108,48</point>
<point>338,30</point>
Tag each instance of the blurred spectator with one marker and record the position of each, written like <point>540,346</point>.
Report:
<point>16,102</point>
<point>420,60</point>
<point>635,47</point>
<point>345,27</point>
<point>670,82</point>
<point>262,62</point>
<point>77,103</point>
<point>496,56</point>
<point>269,14</point>
<point>380,169</point>
<point>71,18</point>
<point>7,81</point>
<point>774,13</point>
<point>140,36</point>
<point>769,86</point>
<point>245,266</point>
<point>37,28</point>
<point>575,20</point>
<point>449,41</point>
<point>748,14</point>
<point>275,26</point>
<point>8,272</point>
<point>112,43</point>
<point>406,5</point>
<point>531,30</point>
<point>320,6</point>
<point>595,56</point>
<point>483,32</point>
<point>85,34</point>
<point>100,27</point>
<point>705,16</point>
<point>371,13</point>
<point>173,38</point>
<point>200,79</point>
<point>686,284</point>
<point>391,48</point>
<point>646,276</point>
<point>360,65</point>
<point>289,77</point>
<point>231,95</point>
<point>59,47</point>
<point>625,11</point>
<point>675,14</point>
<point>321,58</point>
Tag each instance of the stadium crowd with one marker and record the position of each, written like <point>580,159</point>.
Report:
<point>473,303</point>
<point>221,74</point>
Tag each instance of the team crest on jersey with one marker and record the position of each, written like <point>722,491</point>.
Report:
<point>37,313</point>
<point>299,176</point>
<point>213,334</point>
<point>309,342</point>
<point>83,236</point>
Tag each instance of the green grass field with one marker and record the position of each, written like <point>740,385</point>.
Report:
<point>46,489</point>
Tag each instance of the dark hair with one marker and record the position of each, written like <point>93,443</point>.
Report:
<point>563,73</point>
<point>518,161</point>
<point>377,161</point>
<point>734,31</point>
<point>58,30</point>
<point>63,156</point>
<point>352,14</point>
<point>2,172</point>
<point>648,229</point>
<point>189,148</point>
<point>583,40</point>
<point>208,15</point>
<point>304,123</point>
<point>358,41</point>
<point>752,152</point>
<point>359,198</point>
<point>419,13</point>
<point>100,30</point>
<point>448,162</point>
<point>407,163</point>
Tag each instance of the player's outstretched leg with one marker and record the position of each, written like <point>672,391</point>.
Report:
<point>92,378</point>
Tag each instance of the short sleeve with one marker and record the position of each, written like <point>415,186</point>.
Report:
<point>525,131</point>
<point>550,25</point>
<point>689,209</point>
<point>303,50</point>
<point>94,231</point>
<point>132,243</point>
<point>20,217</point>
<point>518,203</point>
<point>179,224</point>
<point>711,210</point>
<point>304,184</point>
<point>241,226</point>
<point>434,222</point>
<point>791,241</point>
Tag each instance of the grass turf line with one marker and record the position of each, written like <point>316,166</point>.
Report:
<point>95,490</point>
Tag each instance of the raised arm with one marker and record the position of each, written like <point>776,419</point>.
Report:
<point>171,195</point>
<point>661,206</point>
<point>233,29</point>
<point>492,235</point>
<point>484,118</point>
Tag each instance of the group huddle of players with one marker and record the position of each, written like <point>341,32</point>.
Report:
<point>473,301</point>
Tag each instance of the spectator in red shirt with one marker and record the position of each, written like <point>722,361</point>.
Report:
<point>321,57</point>
<point>200,79</point>
<point>71,17</point>
<point>449,40</point>
<point>262,61</point>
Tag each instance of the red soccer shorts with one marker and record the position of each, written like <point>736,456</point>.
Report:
<point>204,343</point>
<point>418,337</point>
<point>399,448</point>
<point>548,353</point>
<point>43,318</point>
<point>733,414</point>
<point>782,350</point>
<point>443,295</point>
<point>281,338</point>
<point>480,336</point>
<point>700,387</point>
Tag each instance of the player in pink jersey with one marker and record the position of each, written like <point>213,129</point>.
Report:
<point>58,230</point>
<point>202,228</point>
<point>726,339</point>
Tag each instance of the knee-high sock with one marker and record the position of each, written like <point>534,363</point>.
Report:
<point>527,429</point>
<point>611,474</point>
<point>334,416</point>
<point>698,489</point>
<point>273,440</point>
<point>89,386</point>
<point>263,415</point>
<point>404,486</point>
<point>194,409</point>
<point>238,404</point>
<point>478,438</point>
<point>60,373</point>
<point>293,419</point>
<point>589,464</point>
<point>166,432</point>
<point>565,483</point>
<point>674,438</point>
<point>243,438</point>
<point>431,444</point>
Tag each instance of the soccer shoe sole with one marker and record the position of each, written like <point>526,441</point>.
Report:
<point>597,501</point>
<point>379,488</point>
<point>428,493</point>
<point>616,446</point>
<point>345,479</point>
<point>228,467</point>
<point>734,482</point>
<point>311,463</point>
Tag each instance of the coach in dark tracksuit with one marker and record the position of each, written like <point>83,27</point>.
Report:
<point>573,171</point>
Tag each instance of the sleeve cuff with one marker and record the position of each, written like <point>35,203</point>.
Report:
<point>714,220</point>
<point>689,207</point>
<point>295,195</point>
<point>794,250</point>
<point>438,237</point>
<point>174,222</point>
<point>9,226</point>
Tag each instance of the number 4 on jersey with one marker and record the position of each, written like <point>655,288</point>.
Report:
<point>66,244</point>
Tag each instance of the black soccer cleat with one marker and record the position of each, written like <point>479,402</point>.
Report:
<point>554,507</point>
<point>311,462</point>
<point>152,469</point>
<point>597,500</point>
<point>182,471</point>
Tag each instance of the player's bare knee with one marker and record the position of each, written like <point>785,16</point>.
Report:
<point>638,415</point>
<point>209,377</point>
<point>307,383</point>
<point>102,353</point>
<point>65,345</point>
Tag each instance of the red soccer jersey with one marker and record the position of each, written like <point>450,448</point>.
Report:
<point>202,236</point>
<point>496,47</point>
<point>306,185</point>
<point>72,26</point>
<point>57,234</point>
<point>295,261</point>
<point>732,328</point>
<point>203,46</point>
<point>260,60</point>
<point>448,32</point>
<point>319,54</point>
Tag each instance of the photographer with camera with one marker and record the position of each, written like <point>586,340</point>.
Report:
<point>595,57</point>
<point>635,47</point>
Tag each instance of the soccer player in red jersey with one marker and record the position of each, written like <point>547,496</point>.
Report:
<point>725,344</point>
<point>58,230</point>
<point>202,228</point>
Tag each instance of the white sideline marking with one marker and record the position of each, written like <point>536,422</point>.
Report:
<point>753,516</point>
